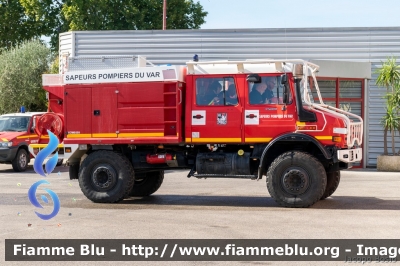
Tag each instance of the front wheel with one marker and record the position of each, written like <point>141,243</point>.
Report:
<point>20,162</point>
<point>296,179</point>
<point>106,176</point>
<point>333,180</point>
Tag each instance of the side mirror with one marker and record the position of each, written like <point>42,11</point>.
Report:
<point>285,83</point>
<point>284,79</point>
<point>32,129</point>
<point>255,78</point>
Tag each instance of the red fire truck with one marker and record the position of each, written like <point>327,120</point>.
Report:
<point>17,132</point>
<point>122,127</point>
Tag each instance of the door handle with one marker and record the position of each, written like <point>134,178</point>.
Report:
<point>251,116</point>
<point>180,96</point>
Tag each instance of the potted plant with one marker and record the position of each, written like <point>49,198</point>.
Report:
<point>389,77</point>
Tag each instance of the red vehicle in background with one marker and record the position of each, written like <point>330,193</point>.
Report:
<point>19,133</point>
<point>122,127</point>
<point>16,134</point>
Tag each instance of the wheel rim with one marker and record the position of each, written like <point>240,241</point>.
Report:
<point>104,177</point>
<point>295,181</point>
<point>22,160</point>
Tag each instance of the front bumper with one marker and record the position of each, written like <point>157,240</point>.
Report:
<point>350,156</point>
<point>7,154</point>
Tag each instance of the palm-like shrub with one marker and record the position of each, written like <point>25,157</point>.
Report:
<point>389,77</point>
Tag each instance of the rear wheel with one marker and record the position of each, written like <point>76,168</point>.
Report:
<point>106,176</point>
<point>333,180</point>
<point>147,183</point>
<point>296,179</point>
<point>20,162</point>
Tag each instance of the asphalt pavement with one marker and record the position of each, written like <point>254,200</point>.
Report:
<point>365,206</point>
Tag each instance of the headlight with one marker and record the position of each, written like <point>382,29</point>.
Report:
<point>6,144</point>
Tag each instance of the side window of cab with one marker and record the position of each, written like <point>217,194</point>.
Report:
<point>216,91</point>
<point>268,91</point>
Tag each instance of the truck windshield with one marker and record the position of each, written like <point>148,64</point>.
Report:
<point>14,123</point>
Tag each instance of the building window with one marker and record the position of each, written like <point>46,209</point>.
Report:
<point>343,93</point>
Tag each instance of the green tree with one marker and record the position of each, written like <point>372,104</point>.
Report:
<point>389,77</point>
<point>47,17</point>
<point>131,14</point>
<point>51,17</point>
<point>15,26</point>
<point>55,66</point>
<point>21,70</point>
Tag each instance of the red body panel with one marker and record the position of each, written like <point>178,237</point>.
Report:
<point>274,120</point>
<point>251,123</point>
<point>147,112</point>
<point>151,113</point>
<point>104,103</point>
<point>78,110</point>
<point>56,98</point>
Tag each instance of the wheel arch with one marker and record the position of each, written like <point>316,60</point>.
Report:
<point>286,142</point>
<point>24,145</point>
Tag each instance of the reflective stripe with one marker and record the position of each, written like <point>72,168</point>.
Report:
<point>104,135</point>
<point>79,136</point>
<point>216,140</point>
<point>154,134</point>
<point>27,136</point>
<point>324,137</point>
<point>257,139</point>
<point>44,145</point>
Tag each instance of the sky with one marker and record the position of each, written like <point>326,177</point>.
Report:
<point>231,14</point>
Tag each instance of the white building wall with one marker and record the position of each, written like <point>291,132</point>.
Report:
<point>372,45</point>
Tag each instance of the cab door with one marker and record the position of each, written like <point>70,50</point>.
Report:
<point>216,115</point>
<point>269,118</point>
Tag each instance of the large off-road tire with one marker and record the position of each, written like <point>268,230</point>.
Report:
<point>106,176</point>
<point>21,160</point>
<point>73,171</point>
<point>147,183</point>
<point>332,183</point>
<point>296,179</point>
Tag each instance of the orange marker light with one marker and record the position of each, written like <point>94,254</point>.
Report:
<point>306,127</point>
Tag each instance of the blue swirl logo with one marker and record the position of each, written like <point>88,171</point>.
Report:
<point>42,155</point>
<point>49,166</point>
<point>34,201</point>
